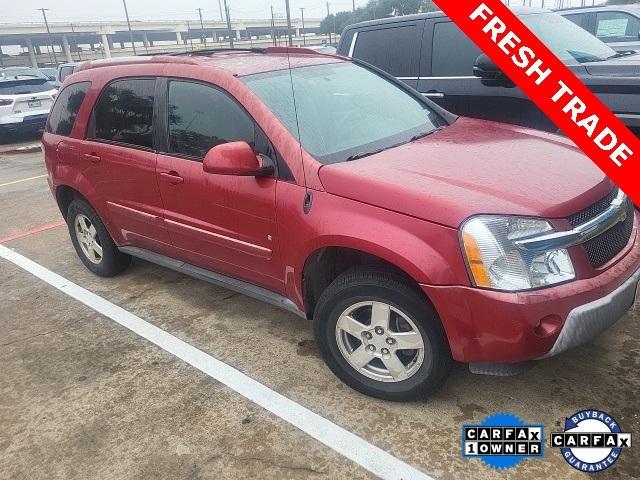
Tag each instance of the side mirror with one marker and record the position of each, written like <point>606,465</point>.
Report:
<point>490,73</point>
<point>235,158</point>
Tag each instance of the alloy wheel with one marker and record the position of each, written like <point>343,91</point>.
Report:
<point>380,341</point>
<point>88,238</point>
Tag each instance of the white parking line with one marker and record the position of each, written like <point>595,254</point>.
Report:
<point>351,446</point>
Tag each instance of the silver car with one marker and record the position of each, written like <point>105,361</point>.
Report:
<point>616,25</point>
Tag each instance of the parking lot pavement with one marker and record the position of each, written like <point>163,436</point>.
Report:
<point>83,397</point>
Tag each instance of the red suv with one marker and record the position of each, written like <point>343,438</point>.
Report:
<point>411,237</point>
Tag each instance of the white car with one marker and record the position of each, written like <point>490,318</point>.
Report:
<point>26,96</point>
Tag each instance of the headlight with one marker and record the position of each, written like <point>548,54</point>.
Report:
<point>495,261</point>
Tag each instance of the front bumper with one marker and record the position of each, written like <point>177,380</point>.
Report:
<point>587,321</point>
<point>485,326</point>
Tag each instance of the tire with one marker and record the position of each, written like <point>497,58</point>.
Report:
<point>407,307</point>
<point>110,261</point>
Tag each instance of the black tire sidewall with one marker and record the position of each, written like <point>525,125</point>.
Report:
<point>113,261</point>
<point>437,354</point>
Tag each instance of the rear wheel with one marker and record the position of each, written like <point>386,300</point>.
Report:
<point>380,336</point>
<point>92,241</point>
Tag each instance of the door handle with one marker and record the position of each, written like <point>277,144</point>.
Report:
<point>172,177</point>
<point>433,94</point>
<point>92,157</point>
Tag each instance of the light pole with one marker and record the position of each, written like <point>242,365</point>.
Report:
<point>273,28</point>
<point>226,10</point>
<point>220,7</point>
<point>203,38</point>
<point>286,3</point>
<point>126,13</point>
<point>44,15</point>
<point>328,14</point>
<point>189,34</point>
<point>304,39</point>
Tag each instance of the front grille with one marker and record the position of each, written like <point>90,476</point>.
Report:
<point>605,247</point>
<point>594,210</point>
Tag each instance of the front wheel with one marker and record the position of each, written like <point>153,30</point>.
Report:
<point>380,336</point>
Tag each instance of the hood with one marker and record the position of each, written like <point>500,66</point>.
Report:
<point>626,66</point>
<point>473,167</point>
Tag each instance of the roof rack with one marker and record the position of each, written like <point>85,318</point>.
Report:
<point>264,50</point>
<point>209,51</point>
<point>137,60</point>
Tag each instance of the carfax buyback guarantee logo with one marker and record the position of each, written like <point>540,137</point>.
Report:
<point>502,441</point>
<point>592,441</point>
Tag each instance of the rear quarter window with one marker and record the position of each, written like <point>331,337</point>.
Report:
<point>64,112</point>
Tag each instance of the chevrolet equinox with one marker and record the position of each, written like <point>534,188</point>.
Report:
<point>411,237</point>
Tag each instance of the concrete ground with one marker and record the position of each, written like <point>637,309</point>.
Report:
<point>82,397</point>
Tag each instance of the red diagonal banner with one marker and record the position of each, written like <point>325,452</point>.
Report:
<point>552,86</point>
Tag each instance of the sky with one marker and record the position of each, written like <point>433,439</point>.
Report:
<point>12,11</point>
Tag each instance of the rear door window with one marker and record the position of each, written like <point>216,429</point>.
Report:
<point>394,49</point>
<point>124,113</point>
<point>617,27</point>
<point>201,117</point>
<point>64,112</point>
<point>453,53</point>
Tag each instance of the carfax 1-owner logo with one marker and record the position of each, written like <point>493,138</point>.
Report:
<point>592,441</point>
<point>502,441</point>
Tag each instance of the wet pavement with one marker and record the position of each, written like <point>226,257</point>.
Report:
<point>82,397</point>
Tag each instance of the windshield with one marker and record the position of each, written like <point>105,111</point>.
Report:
<point>570,43</point>
<point>344,111</point>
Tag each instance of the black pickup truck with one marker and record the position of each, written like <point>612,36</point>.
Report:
<point>431,54</point>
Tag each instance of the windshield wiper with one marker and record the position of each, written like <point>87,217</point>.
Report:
<point>622,54</point>
<point>425,134</point>
<point>359,155</point>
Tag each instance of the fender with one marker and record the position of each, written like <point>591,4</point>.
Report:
<point>429,253</point>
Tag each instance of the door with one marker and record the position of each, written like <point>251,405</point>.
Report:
<point>120,161</point>
<point>224,223</point>
<point>446,77</point>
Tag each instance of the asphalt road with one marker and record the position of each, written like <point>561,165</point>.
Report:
<point>82,397</point>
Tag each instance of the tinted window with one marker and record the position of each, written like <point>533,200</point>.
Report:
<point>617,27</point>
<point>64,112</point>
<point>390,49</point>
<point>579,19</point>
<point>124,113</point>
<point>453,53</point>
<point>201,117</point>
<point>24,86</point>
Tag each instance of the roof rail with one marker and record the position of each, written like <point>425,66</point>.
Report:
<point>264,50</point>
<point>137,60</point>
<point>209,51</point>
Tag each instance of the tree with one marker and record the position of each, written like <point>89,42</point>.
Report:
<point>373,10</point>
